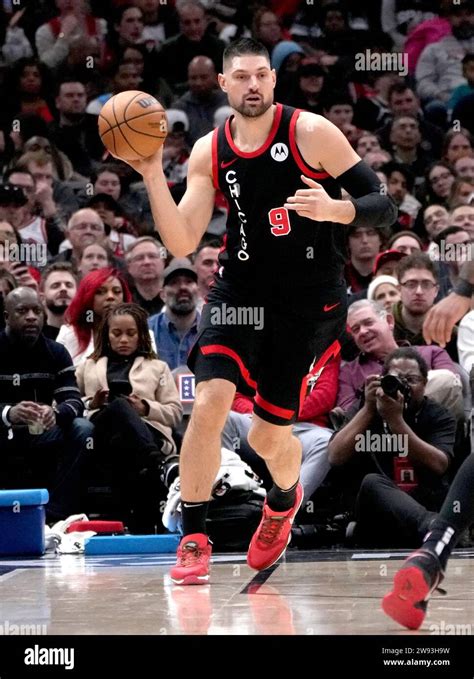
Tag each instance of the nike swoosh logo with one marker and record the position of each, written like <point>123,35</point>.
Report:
<point>329,307</point>
<point>224,165</point>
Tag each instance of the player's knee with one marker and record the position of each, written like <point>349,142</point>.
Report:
<point>212,404</point>
<point>266,442</point>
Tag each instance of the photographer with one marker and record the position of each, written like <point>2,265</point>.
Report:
<point>396,449</point>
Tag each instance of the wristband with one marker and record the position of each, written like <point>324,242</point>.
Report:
<point>463,288</point>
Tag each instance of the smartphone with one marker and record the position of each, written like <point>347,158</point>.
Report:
<point>119,388</point>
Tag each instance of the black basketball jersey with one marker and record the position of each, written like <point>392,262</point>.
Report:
<point>267,245</point>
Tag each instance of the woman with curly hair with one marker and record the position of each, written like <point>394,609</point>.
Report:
<point>133,402</point>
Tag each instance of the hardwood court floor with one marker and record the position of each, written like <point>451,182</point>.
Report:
<point>310,593</point>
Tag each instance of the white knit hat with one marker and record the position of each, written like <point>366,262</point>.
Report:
<point>378,280</point>
<point>175,115</point>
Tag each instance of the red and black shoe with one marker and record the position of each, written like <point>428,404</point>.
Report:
<point>413,585</point>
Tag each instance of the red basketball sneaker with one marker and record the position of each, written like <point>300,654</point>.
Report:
<point>273,534</point>
<point>192,566</point>
<point>413,585</point>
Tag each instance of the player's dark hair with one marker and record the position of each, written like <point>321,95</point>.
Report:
<point>242,47</point>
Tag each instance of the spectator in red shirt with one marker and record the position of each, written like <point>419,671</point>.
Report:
<point>312,427</point>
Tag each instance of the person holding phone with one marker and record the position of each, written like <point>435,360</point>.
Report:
<point>134,404</point>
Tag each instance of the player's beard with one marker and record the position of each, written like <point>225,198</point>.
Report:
<point>254,111</point>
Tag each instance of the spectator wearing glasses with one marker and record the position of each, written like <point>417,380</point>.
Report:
<point>83,228</point>
<point>118,227</point>
<point>419,288</point>
<point>146,259</point>
<point>396,482</point>
<point>372,330</point>
<point>438,180</point>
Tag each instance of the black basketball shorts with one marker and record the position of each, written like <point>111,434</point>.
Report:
<point>266,351</point>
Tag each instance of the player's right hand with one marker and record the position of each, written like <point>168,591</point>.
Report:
<point>147,167</point>
<point>442,317</point>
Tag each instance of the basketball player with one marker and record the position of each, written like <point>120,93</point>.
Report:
<point>281,171</point>
<point>424,570</point>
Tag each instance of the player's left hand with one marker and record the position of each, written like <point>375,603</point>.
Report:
<point>313,203</point>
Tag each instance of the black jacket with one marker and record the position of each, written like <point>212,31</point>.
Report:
<point>43,373</point>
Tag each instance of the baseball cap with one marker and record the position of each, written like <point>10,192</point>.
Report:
<point>387,256</point>
<point>179,265</point>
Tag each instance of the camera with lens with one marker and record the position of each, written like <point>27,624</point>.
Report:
<point>12,195</point>
<point>391,385</point>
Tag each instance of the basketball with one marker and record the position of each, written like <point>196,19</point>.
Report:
<point>133,125</point>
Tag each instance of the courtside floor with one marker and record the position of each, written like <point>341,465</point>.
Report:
<point>335,592</point>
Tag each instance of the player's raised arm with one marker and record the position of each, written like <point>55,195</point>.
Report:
<point>182,226</point>
<point>322,144</point>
